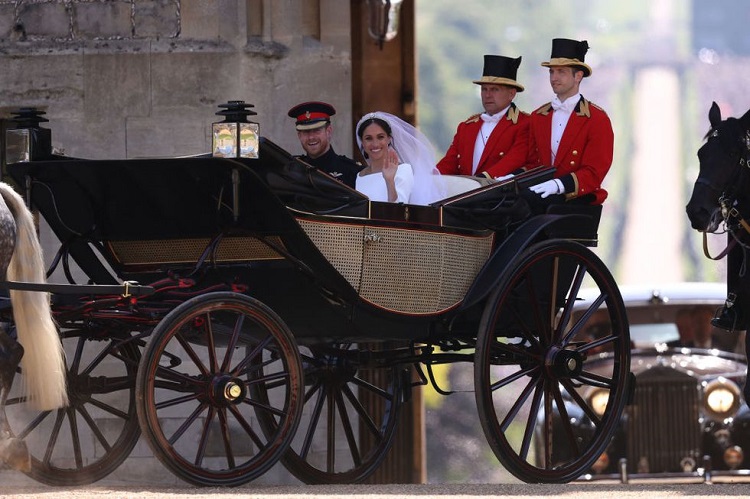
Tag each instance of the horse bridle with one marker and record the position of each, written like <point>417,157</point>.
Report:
<point>727,203</point>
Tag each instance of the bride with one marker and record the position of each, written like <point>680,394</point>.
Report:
<point>400,161</point>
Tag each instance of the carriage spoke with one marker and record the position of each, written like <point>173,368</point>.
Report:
<point>74,436</point>
<point>348,432</point>
<point>185,344</point>
<point>372,388</point>
<point>565,420</point>
<point>232,343</point>
<point>592,379</point>
<point>581,403</point>
<point>242,367</point>
<point>314,418</point>
<point>567,312</point>
<point>34,424</point>
<point>108,408</point>
<point>547,421</point>
<point>200,452</point>
<point>598,343</point>
<point>54,434</point>
<point>265,407</point>
<point>584,319</point>
<point>361,411</point>
<point>521,373</point>
<point>187,423</point>
<point>534,303</point>
<point>163,404</point>
<point>516,407</point>
<point>531,421</point>
<point>226,438</point>
<point>331,434</point>
<point>210,344</point>
<point>94,428</point>
<point>246,426</point>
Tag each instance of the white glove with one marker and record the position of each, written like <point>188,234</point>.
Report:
<point>548,188</point>
<point>504,178</point>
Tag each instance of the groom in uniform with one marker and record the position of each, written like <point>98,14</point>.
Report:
<point>494,143</point>
<point>314,130</point>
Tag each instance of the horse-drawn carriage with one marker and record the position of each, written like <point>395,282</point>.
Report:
<point>238,312</point>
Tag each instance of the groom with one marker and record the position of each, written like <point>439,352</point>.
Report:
<point>314,130</point>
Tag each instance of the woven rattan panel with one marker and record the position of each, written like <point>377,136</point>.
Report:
<point>420,272</point>
<point>408,271</point>
<point>164,251</point>
<point>340,244</point>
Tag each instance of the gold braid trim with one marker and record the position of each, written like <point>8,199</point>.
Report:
<point>513,114</point>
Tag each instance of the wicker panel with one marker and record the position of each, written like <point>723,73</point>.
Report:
<point>341,245</point>
<point>420,272</point>
<point>166,251</point>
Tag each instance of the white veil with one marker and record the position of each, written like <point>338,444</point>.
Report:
<point>414,148</point>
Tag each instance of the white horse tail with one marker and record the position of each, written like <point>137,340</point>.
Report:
<point>43,362</point>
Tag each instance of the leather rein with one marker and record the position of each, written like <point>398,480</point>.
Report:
<point>728,211</point>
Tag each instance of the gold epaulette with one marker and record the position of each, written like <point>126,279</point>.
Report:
<point>583,108</point>
<point>513,114</point>
<point>473,118</point>
<point>544,108</point>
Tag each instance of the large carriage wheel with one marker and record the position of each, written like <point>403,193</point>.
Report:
<point>89,439</point>
<point>546,412</point>
<point>349,418</point>
<point>195,386</point>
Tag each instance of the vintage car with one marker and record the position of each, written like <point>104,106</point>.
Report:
<point>687,418</point>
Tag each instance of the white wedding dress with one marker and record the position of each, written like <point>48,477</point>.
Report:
<point>373,185</point>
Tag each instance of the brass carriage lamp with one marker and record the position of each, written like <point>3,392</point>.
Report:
<point>235,137</point>
<point>383,19</point>
<point>28,141</point>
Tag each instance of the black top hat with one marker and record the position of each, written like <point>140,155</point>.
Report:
<point>567,52</point>
<point>311,115</point>
<point>500,70</point>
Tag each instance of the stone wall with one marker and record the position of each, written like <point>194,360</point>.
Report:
<point>127,78</point>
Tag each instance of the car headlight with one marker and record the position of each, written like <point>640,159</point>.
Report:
<point>598,399</point>
<point>721,398</point>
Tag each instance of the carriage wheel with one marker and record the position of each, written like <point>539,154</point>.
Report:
<point>348,421</point>
<point>89,439</point>
<point>546,411</point>
<point>195,385</point>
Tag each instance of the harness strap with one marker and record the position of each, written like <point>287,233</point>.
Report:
<point>720,255</point>
<point>126,289</point>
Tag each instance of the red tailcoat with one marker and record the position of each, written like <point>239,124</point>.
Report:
<point>506,149</point>
<point>585,152</point>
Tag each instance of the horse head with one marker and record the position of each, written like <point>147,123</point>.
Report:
<point>723,176</point>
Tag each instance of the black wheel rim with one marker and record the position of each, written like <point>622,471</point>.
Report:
<point>195,388</point>
<point>349,418</point>
<point>89,439</point>
<point>548,400</point>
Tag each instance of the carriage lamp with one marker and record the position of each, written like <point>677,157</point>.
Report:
<point>28,141</point>
<point>235,137</point>
<point>383,19</point>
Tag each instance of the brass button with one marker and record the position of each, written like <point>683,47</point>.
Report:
<point>572,163</point>
<point>502,154</point>
<point>575,153</point>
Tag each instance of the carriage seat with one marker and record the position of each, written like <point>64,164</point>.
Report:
<point>458,184</point>
<point>583,229</point>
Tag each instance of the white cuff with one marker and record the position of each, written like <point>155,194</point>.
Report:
<point>560,186</point>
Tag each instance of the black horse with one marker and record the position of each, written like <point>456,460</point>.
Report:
<point>722,194</point>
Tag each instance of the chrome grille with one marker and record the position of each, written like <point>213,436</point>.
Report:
<point>663,426</point>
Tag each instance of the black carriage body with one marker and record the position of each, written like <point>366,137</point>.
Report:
<point>332,264</point>
<point>315,274</point>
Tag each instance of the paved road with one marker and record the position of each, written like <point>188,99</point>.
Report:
<point>577,491</point>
